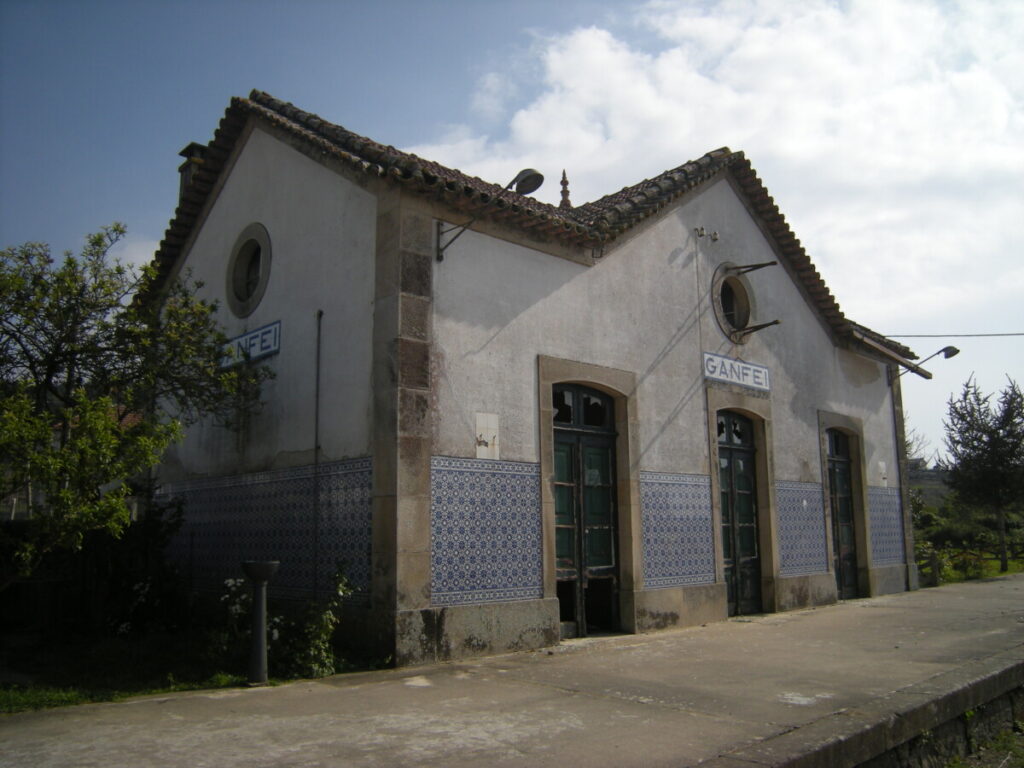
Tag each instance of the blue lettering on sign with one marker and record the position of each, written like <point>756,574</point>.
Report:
<point>734,371</point>
<point>254,345</point>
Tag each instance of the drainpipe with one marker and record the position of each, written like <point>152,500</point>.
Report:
<point>316,461</point>
<point>901,473</point>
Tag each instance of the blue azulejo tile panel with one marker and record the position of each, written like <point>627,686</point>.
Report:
<point>886,516</point>
<point>273,516</point>
<point>677,529</point>
<point>800,512</point>
<point>485,531</point>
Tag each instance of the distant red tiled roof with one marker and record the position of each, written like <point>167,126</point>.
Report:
<point>590,225</point>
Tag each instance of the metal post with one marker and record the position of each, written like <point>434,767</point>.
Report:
<point>259,573</point>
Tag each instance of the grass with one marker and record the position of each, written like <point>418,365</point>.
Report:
<point>39,675</point>
<point>987,568</point>
<point>1006,751</point>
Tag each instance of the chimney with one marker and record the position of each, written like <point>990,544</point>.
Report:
<point>193,155</point>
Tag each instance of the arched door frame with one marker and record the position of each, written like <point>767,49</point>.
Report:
<point>854,429</point>
<point>621,386</point>
<point>758,410</point>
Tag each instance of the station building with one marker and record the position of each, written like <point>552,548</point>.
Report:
<point>642,412</point>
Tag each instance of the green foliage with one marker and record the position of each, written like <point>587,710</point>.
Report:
<point>96,383</point>
<point>305,645</point>
<point>300,636</point>
<point>985,467</point>
<point>986,446</point>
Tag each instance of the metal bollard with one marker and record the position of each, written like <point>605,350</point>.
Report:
<point>259,573</point>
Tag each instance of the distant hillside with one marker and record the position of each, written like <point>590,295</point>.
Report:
<point>930,482</point>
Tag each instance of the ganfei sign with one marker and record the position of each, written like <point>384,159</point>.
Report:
<point>733,371</point>
<point>253,345</point>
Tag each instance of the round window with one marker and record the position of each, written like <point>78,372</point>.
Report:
<point>732,303</point>
<point>735,304</point>
<point>248,270</point>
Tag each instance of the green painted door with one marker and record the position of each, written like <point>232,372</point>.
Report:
<point>844,542</point>
<point>586,557</point>
<point>738,488</point>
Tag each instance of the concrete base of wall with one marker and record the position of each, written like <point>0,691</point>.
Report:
<point>462,631</point>
<point>794,592</point>
<point>366,635</point>
<point>887,579</point>
<point>680,606</point>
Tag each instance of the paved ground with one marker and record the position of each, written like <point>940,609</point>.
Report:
<point>741,690</point>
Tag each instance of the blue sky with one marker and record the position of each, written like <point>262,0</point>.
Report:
<point>97,98</point>
<point>891,133</point>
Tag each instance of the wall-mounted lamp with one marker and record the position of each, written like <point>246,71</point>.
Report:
<point>701,232</point>
<point>526,181</point>
<point>946,352</point>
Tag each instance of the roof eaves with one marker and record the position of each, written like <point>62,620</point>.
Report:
<point>588,225</point>
<point>764,206</point>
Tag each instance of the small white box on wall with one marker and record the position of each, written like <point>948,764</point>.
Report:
<point>487,436</point>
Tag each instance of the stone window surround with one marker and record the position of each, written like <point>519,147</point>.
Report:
<point>621,385</point>
<point>726,274</point>
<point>726,397</point>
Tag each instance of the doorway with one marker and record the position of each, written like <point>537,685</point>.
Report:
<point>738,487</point>
<point>844,539</point>
<point>586,518</point>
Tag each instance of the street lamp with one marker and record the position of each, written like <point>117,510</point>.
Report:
<point>526,181</point>
<point>946,352</point>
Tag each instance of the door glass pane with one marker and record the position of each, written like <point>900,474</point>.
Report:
<point>563,463</point>
<point>563,406</point>
<point>595,466</point>
<point>599,547</point>
<point>563,504</point>
<point>846,511</point>
<point>747,541</point>
<point>744,509</point>
<point>727,542</point>
<point>838,444</point>
<point>597,503</point>
<point>595,414</point>
<point>565,547</point>
<point>744,475</point>
<point>843,481</point>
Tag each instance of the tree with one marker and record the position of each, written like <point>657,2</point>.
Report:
<point>101,368</point>
<point>916,444</point>
<point>985,466</point>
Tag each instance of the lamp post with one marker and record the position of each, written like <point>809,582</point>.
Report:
<point>946,352</point>
<point>526,181</point>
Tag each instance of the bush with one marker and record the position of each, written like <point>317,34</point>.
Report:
<point>301,638</point>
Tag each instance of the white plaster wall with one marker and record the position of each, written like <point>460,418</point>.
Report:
<point>322,229</point>
<point>645,307</point>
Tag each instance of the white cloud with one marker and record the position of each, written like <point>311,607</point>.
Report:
<point>135,251</point>
<point>890,133</point>
<point>492,95</point>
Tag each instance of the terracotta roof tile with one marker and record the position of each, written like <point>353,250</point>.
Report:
<point>589,225</point>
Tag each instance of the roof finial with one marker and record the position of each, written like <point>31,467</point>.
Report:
<point>565,192</point>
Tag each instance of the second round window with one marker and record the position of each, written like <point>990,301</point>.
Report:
<point>248,270</point>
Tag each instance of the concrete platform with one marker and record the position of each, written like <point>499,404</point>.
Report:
<point>832,686</point>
